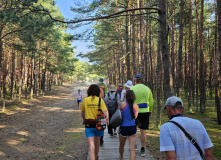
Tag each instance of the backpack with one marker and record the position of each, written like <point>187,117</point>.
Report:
<point>116,119</point>
<point>119,91</point>
<point>100,119</point>
<point>112,104</point>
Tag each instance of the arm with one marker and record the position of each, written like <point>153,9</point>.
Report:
<point>83,116</point>
<point>136,108</point>
<point>209,154</point>
<point>170,155</point>
<point>122,95</point>
<point>107,116</point>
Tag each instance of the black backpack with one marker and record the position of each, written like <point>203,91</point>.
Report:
<point>112,104</point>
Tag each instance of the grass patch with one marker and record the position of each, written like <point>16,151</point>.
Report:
<point>62,147</point>
<point>209,120</point>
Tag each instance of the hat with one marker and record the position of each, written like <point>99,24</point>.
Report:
<point>172,102</point>
<point>139,76</point>
<point>119,85</point>
<point>112,88</point>
<point>101,80</point>
<point>129,84</point>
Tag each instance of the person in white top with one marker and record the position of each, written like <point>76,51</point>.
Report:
<point>79,98</point>
<point>128,85</point>
<point>174,142</point>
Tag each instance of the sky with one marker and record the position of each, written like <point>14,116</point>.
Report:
<point>64,6</point>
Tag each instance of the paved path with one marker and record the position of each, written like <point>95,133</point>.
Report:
<point>109,150</point>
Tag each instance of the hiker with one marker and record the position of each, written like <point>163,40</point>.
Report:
<point>144,99</point>
<point>79,98</point>
<point>101,83</point>
<point>128,128</point>
<point>119,89</point>
<point>89,111</point>
<point>175,143</point>
<point>113,101</point>
<point>127,85</point>
<point>102,96</point>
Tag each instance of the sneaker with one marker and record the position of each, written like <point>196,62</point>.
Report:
<point>111,135</point>
<point>115,133</point>
<point>101,142</point>
<point>136,147</point>
<point>142,152</point>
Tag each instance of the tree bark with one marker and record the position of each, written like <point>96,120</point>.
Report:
<point>180,51</point>
<point>164,48</point>
<point>201,73</point>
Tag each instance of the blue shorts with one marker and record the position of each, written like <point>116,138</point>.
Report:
<point>91,132</point>
<point>128,130</point>
<point>79,101</point>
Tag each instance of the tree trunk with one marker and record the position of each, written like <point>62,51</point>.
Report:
<point>190,59</point>
<point>158,85</point>
<point>173,49</point>
<point>180,51</point>
<point>164,48</point>
<point>127,43</point>
<point>201,73</point>
<point>219,52</point>
<point>133,42</point>
<point>197,58</point>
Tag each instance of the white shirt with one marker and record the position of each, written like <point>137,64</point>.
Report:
<point>172,138</point>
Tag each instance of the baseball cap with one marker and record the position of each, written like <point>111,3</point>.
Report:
<point>139,76</point>
<point>173,102</point>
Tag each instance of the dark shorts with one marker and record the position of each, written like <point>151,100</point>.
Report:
<point>128,130</point>
<point>142,120</point>
<point>79,101</point>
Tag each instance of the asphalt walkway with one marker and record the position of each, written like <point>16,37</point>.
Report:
<point>109,150</point>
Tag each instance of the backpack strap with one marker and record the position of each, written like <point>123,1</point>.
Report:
<point>99,104</point>
<point>189,137</point>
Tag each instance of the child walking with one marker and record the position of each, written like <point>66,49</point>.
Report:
<point>79,98</point>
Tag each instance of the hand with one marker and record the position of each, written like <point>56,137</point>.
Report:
<point>83,121</point>
<point>107,122</point>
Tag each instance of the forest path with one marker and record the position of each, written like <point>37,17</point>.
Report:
<point>47,128</point>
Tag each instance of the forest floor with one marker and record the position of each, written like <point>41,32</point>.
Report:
<point>45,128</point>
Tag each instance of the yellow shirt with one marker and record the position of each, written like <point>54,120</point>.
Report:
<point>90,106</point>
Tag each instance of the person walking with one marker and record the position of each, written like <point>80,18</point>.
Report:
<point>101,83</point>
<point>144,99</point>
<point>128,128</point>
<point>113,102</point>
<point>102,96</point>
<point>89,111</point>
<point>119,89</point>
<point>174,142</point>
<point>127,85</point>
<point>79,98</point>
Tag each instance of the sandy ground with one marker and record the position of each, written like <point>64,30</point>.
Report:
<point>47,128</point>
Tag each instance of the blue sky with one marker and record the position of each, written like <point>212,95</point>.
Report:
<point>64,6</point>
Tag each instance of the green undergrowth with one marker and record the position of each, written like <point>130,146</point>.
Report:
<point>209,120</point>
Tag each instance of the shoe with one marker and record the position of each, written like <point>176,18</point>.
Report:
<point>142,152</point>
<point>101,142</point>
<point>111,135</point>
<point>136,147</point>
<point>115,133</point>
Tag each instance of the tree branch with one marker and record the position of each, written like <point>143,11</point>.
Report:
<point>102,17</point>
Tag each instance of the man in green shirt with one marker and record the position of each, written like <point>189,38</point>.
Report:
<point>144,99</point>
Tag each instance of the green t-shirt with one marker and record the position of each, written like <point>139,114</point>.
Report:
<point>143,95</point>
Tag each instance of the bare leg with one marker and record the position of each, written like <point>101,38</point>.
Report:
<point>91,148</point>
<point>122,141</point>
<point>143,137</point>
<point>96,142</point>
<point>132,143</point>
